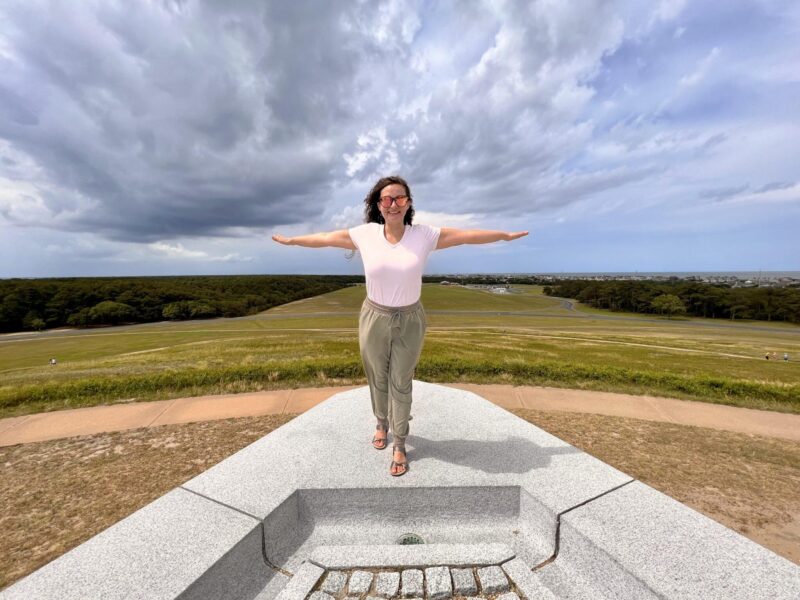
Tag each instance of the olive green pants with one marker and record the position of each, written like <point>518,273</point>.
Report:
<point>390,339</point>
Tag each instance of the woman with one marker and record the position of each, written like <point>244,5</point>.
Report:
<point>392,323</point>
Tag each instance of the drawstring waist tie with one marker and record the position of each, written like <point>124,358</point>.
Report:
<point>392,310</point>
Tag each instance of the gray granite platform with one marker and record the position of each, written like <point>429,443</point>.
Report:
<point>484,490</point>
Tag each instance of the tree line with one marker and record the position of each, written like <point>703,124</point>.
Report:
<point>486,279</point>
<point>36,304</point>
<point>693,298</point>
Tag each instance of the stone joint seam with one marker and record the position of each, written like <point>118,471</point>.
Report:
<point>563,512</point>
<point>261,528</point>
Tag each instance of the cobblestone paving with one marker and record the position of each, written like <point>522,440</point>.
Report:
<point>432,583</point>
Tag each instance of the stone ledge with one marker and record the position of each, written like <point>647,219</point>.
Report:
<point>302,583</point>
<point>179,545</point>
<point>648,545</point>
<point>411,556</point>
<point>523,578</point>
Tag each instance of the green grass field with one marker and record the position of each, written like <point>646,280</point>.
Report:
<point>473,335</point>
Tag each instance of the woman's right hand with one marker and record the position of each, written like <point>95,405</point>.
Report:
<point>334,239</point>
<point>282,240</point>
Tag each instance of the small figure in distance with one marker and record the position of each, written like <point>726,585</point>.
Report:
<point>785,357</point>
<point>52,362</point>
<point>774,356</point>
<point>766,356</point>
<point>392,324</point>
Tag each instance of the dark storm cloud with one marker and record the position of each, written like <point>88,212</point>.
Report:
<point>736,192</point>
<point>194,119</point>
<point>185,119</point>
<point>776,185</point>
<point>719,194</point>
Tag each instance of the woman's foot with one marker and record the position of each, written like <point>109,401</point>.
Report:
<point>379,440</point>
<point>399,463</point>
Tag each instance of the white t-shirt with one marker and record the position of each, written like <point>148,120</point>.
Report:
<point>394,271</point>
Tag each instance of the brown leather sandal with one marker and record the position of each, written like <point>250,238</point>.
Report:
<point>401,446</point>
<point>380,443</point>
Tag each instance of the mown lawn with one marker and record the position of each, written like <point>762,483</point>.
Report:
<point>473,336</point>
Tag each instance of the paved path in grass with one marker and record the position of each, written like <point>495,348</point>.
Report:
<point>100,419</point>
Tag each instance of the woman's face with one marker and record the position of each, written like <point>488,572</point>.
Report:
<point>394,214</point>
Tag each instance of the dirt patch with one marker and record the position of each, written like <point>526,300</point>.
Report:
<point>746,482</point>
<point>56,495</point>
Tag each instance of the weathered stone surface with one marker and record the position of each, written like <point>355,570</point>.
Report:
<point>528,584</point>
<point>438,583</point>
<point>334,582</point>
<point>508,596</point>
<point>320,596</point>
<point>174,544</point>
<point>333,557</point>
<point>360,582</point>
<point>386,584</point>
<point>412,583</point>
<point>646,543</point>
<point>493,580</point>
<point>299,586</point>
<point>464,582</point>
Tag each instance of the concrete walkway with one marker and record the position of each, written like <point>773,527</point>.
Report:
<point>100,419</point>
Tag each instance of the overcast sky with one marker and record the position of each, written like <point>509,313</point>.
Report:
<point>145,138</point>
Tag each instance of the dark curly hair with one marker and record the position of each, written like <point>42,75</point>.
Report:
<point>372,213</point>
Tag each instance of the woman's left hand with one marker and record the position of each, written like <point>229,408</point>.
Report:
<point>514,236</point>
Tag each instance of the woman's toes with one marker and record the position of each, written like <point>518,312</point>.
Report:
<point>396,469</point>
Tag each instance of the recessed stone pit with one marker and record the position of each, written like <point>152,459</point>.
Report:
<point>460,525</point>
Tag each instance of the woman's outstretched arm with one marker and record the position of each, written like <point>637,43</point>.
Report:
<point>335,239</point>
<point>449,236</point>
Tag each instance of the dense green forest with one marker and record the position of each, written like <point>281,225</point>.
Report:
<point>684,297</point>
<point>94,301</point>
<point>490,279</point>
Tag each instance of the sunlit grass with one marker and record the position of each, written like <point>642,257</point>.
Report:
<point>473,335</point>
